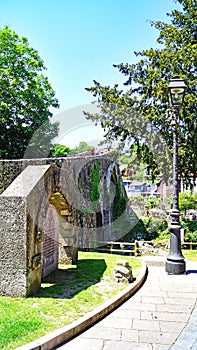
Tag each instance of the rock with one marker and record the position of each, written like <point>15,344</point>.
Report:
<point>123,271</point>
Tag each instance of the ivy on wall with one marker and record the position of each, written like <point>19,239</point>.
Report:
<point>95,184</point>
<point>119,203</point>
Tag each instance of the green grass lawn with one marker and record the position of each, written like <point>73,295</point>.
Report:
<point>64,296</point>
<point>190,254</point>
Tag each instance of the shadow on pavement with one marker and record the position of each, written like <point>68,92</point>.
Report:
<point>188,272</point>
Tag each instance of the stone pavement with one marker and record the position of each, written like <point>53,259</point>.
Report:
<point>157,317</point>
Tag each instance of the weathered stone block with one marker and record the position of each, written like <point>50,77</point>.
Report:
<point>123,271</point>
<point>20,252</point>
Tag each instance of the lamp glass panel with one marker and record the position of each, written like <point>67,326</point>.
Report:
<point>177,98</point>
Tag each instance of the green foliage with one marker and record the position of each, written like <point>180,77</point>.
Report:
<point>119,203</point>
<point>152,202</point>
<point>154,227</point>
<point>187,201</point>
<point>129,159</point>
<point>59,151</point>
<point>163,235</point>
<point>139,228</point>
<point>191,237</point>
<point>127,115</point>
<point>149,228</point>
<point>95,183</point>
<point>190,225</point>
<point>139,175</point>
<point>125,159</point>
<point>138,201</point>
<point>190,228</point>
<point>25,100</point>
<point>82,147</point>
<point>135,168</point>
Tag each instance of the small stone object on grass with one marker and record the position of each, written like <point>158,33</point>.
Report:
<point>123,271</point>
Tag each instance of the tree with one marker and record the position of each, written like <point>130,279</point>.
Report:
<point>187,201</point>
<point>82,147</point>
<point>134,169</point>
<point>58,150</point>
<point>25,99</point>
<point>144,107</point>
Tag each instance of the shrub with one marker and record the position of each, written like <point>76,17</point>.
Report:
<point>149,228</point>
<point>190,228</point>
<point>191,237</point>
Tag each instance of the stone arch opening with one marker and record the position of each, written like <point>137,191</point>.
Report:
<point>67,228</point>
<point>99,219</point>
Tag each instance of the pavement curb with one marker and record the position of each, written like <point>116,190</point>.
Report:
<point>59,336</point>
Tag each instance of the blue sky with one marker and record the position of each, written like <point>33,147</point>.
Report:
<point>80,40</point>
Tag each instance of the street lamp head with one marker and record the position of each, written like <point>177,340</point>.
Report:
<point>176,89</point>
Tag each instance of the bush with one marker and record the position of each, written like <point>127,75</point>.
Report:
<point>149,228</point>
<point>59,151</point>
<point>154,227</point>
<point>190,228</point>
<point>187,201</point>
<point>191,237</point>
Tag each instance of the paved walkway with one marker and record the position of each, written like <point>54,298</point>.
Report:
<point>155,318</point>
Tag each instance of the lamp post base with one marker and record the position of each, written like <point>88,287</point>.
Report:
<point>175,267</point>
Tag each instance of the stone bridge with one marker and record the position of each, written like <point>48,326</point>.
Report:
<point>48,209</point>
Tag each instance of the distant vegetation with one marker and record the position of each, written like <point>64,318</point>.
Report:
<point>82,147</point>
<point>58,150</point>
<point>154,222</point>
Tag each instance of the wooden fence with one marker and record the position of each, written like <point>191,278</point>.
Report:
<point>138,247</point>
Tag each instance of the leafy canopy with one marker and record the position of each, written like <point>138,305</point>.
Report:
<point>187,201</point>
<point>25,99</point>
<point>82,147</point>
<point>141,115</point>
<point>59,150</point>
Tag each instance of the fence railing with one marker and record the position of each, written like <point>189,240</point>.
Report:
<point>190,244</point>
<point>118,247</point>
<point>138,247</point>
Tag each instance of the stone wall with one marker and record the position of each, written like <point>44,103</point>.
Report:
<point>71,176</point>
<point>22,204</point>
<point>47,213</point>
<point>12,253</point>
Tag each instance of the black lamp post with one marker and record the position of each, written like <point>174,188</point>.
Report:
<point>175,263</point>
